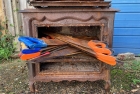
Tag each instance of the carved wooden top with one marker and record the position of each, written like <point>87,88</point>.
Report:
<point>73,9</point>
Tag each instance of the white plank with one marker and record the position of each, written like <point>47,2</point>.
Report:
<point>9,16</point>
<point>23,5</point>
<point>17,21</point>
<point>2,15</point>
<point>16,16</point>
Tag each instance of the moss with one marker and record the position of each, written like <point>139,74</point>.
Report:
<point>125,76</point>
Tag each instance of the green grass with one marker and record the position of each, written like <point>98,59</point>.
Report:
<point>126,76</point>
<point>7,47</point>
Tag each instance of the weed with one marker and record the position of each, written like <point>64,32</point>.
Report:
<point>6,44</point>
<point>121,79</point>
<point>124,77</point>
<point>136,81</point>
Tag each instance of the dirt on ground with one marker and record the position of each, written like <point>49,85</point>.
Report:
<point>14,80</point>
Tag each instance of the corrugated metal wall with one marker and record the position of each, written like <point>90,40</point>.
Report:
<point>127,26</point>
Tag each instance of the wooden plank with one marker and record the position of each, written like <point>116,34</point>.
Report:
<point>127,16</point>
<point>1,11</point>
<point>2,15</point>
<point>125,1</point>
<point>127,23</point>
<point>53,42</point>
<point>23,5</point>
<point>127,7</point>
<point>126,41</point>
<point>9,16</point>
<point>17,22</point>
<point>124,50</point>
<point>68,39</point>
<point>57,53</point>
<point>17,17</point>
<point>126,31</point>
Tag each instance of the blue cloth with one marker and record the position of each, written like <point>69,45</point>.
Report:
<point>32,42</point>
<point>30,51</point>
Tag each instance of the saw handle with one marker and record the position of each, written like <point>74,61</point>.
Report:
<point>33,55</point>
<point>102,53</point>
<point>106,58</point>
<point>99,47</point>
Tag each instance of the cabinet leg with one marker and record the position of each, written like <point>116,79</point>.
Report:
<point>32,86</point>
<point>107,87</point>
